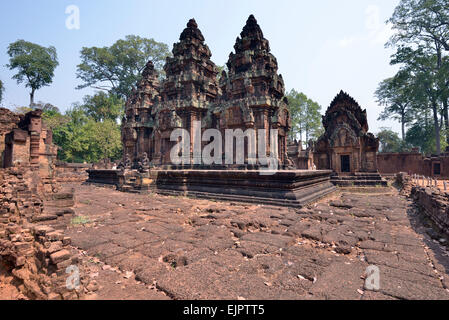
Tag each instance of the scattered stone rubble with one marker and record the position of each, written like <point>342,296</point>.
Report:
<point>33,247</point>
<point>38,255</point>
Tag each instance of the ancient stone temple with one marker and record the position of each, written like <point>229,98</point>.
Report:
<point>249,96</point>
<point>187,93</point>
<point>302,159</point>
<point>26,141</point>
<point>247,106</point>
<point>153,112</point>
<point>138,123</point>
<point>253,92</point>
<point>347,147</point>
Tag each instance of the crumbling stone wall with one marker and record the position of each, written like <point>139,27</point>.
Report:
<point>404,182</point>
<point>71,172</point>
<point>37,254</point>
<point>8,121</point>
<point>302,159</point>
<point>435,203</point>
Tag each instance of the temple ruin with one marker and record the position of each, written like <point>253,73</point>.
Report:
<point>346,147</point>
<point>33,206</point>
<point>249,95</point>
<point>25,141</point>
<point>247,99</point>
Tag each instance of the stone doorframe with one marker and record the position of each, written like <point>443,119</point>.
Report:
<point>433,168</point>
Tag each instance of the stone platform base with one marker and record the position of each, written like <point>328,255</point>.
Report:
<point>291,188</point>
<point>360,179</point>
<point>103,177</point>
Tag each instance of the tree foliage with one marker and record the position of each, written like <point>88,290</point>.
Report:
<point>428,77</point>
<point>396,95</point>
<point>418,95</point>
<point>117,68</point>
<point>418,21</point>
<point>103,106</point>
<point>390,141</point>
<point>423,137</point>
<point>82,139</point>
<point>305,115</point>
<point>35,64</point>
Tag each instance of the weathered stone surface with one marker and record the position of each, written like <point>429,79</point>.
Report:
<point>434,203</point>
<point>198,249</point>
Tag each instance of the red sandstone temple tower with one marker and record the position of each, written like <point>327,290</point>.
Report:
<point>347,147</point>
<point>186,94</point>
<point>137,126</point>
<point>253,92</point>
<point>250,96</point>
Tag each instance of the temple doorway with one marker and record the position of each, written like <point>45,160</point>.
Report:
<point>345,163</point>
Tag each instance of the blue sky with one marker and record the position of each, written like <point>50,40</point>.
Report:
<point>321,46</point>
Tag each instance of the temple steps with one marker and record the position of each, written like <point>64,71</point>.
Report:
<point>360,179</point>
<point>297,203</point>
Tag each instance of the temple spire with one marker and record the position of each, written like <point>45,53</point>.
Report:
<point>191,31</point>
<point>252,29</point>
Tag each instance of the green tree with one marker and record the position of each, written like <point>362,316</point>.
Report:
<point>418,21</point>
<point>305,115</point>
<point>51,116</point>
<point>104,140</point>
<point>117,68</point>
<point>71,137</point>
<point>426,85</point>
<point>422,27</point>
<point>396,95</point>
<point>35,64</point>
<point>422,137</point>
<point>103,106</point>
<point>390,141</point>
<point>81,138</point>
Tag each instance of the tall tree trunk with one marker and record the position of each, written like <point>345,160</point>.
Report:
<point>437,127</point>
<point>32,97</point>
<point>307,135</point>
<point>403,124</point>
<point>446,119</point>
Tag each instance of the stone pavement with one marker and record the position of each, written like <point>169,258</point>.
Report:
<point>158,247</point>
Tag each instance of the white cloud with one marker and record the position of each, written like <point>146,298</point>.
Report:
<point>346,42</point>
<point>378,32</point>
<point>372,21</point>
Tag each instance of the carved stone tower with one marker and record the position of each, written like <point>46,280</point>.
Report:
<point>346,146</point>
<point>252,91</point>
<point>186,94</point>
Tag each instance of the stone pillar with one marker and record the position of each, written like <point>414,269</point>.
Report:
<point>35,128</point>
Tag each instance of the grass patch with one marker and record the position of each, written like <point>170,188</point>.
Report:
<point>80,220</point>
